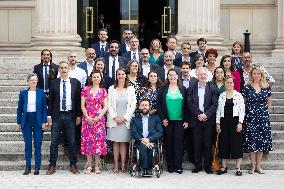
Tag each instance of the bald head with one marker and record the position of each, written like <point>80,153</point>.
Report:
<point>90,54</point>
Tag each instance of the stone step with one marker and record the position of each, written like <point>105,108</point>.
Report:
<point>9,102</point>
<point>278,95</point>
<point>277,117</point>
<point>8,110</point>
<point>22,82</point>
<point>277,125</point>
<point>276,110</point>
<point>278,102</point>
<point>9,95</point>
<point>18,136</point>
<point>13,76</point>
<point>12,88</point>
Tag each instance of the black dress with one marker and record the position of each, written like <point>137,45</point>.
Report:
<point>231,141</point>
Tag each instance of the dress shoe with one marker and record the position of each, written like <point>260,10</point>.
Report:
<point>27,171</point>
<point>179,171</point>
<point>171,170</point>
<point>36,171</point>
<point>222,171</point>
<point>141,173</point>
<point>209,171</point>
<point>196,169</point>
<point>149,172</point>
<point>73,169</point>
<point>50,170</point>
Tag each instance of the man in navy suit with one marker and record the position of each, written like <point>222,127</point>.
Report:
<point>46,71</point>
<point>125,46</point>
<point>89,63</point>
<point>146,129</point>
<point>113,61</point>
<point>102,46</point>
<point>185,49</point>
<point>134,50</point>
<point>147,66</point>
<point>202,45</point>
<point>202,100</point>
<point>64,114</point>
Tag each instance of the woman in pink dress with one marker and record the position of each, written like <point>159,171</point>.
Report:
<point>93,133</point>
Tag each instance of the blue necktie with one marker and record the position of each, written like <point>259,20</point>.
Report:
<point>134,56</point>
<point>103,51</point>
<point>45,78</point>
<point>64,96</point>
<point>113,69</point>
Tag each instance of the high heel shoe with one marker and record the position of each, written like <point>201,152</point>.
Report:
<point>97,170</point>
<point>222,171</point>
<point>115,168</point>
<point>27,171</point>
<point>88,170</point>
<point>123,170</point>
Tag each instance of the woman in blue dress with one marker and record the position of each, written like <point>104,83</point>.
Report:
<point>257,130</point>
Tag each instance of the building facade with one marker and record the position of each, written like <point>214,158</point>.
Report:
<point>64,25</point>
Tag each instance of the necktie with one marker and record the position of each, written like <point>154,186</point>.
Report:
<point>113,68</point>
<point>103,48</point>
<point>45,78</point>
<point>134,56</point>
<point>64,96</point>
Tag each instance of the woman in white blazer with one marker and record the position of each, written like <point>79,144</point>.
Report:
<point>122,104</point>
<point>229,119</point>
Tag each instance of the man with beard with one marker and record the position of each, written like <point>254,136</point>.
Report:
<point>202,45</point>
<point>168,64</point>
<point>113,61</point>
<point>146,130</point>
<point>146,65</point>
<point>134,50</point>
<point>102,46</point>
<point>46,71</point>
<point>89,64</point>
<point>125,46</point>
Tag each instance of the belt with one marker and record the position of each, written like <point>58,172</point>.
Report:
<point>66,112</point>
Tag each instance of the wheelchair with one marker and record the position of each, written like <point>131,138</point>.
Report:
<point>157,162</point>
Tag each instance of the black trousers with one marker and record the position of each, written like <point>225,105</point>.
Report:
<point>202,143</point>
<point>173,139</point>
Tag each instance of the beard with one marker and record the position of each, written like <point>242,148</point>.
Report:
<point>145,111</point>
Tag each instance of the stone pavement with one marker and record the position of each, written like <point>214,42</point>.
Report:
<point>64,180</point>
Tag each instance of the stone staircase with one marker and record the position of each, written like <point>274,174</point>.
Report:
<point>13,74</point>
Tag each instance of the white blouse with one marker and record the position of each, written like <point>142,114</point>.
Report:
<point>238,108</point>
<point>31,101</point>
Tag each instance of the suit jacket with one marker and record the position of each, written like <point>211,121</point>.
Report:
<point>154,127</point>
<point>53,72</point>
<point>122,49</point>
<point>54,98</point>
<point>83,66</point>
<point>162,104</point>
<point>162,74</point>
<point>112,108</point>
<point>178,61</point>
<point>161,60</point>
<point>210,102</point>
<point>128,57</point>
<point>99,53</point>
<point>41,110</point>
<point>121,60</point>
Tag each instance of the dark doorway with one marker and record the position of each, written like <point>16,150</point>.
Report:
<point>150,21</point>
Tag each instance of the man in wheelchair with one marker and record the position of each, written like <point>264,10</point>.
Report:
<point>146,130</point>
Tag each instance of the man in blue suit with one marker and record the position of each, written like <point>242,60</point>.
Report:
<point>89,63</point>
<point>134,52</point>
<point>146,129</point>
<point>125,46</point>
<point>102,46</point>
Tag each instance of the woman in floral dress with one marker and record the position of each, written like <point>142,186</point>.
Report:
<point>93,133</point>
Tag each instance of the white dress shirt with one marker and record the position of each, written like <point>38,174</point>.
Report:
<point>103,44</point>
<point>31,101</point>
<point>146,69</point>
<point>77,73</point>
<point>145,132</point>
<point>201,96</point>
<point>166,71</point>
<point>116,66</point>
<point>136,54</point>
<point>90,67</point>
<point>68,94</point>
<point>185,82</point>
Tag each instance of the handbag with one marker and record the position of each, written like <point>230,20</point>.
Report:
<point>216,160</point>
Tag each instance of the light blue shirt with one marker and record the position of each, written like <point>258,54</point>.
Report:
<point>201,96</point>
<point>145,132</point>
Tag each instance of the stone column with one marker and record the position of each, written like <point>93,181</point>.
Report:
<point>200,18</point>
<point>55,25</point>
<point>279,42</point>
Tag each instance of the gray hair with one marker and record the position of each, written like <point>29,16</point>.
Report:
<point>31,75</point>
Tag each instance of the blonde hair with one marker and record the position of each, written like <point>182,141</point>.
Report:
<point>263,82</point>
